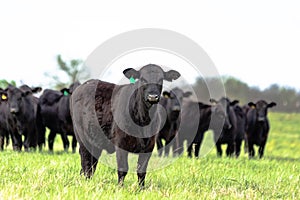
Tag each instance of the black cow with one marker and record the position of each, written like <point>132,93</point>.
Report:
<point>219,117</point>
<point>258,126</point>
<point>25,110</point>
<point>172,102</point>
<point>55,112</point>
<point>223,111</point>
<point>121,118</point>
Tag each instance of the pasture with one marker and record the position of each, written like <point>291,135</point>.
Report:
<point>56,176</point>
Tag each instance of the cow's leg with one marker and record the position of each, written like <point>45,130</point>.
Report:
<point>51,138</point>
<point>159,146</point>
<point>142,167</point>
<point>190,149</point>
<point>122,162</point>
<point>230,149</point>
<point>167,148</point>
<point>74,144</point>
<point>261,149</point>
<point>88,162</point>
<point>251,149</point>
<point>238,144</point>
<point>197,149</point>
<point>16,140</point>
<point>1,142</point>
<point>219,149</point>
<point>66,142</point>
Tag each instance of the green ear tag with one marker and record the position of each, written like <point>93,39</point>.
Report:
<point>132,80</point>
<point>66,93</point>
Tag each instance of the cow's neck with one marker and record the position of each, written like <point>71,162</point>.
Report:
<point>139,109</point>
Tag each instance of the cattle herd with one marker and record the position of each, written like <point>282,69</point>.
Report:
<point>129,118</point>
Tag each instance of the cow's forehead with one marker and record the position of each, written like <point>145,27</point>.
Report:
<point>151,72</point>
<point>261,103</point>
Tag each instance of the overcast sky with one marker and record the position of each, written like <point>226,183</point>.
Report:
<point>257,42</point>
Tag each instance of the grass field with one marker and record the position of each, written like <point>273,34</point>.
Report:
<point>56,176</point>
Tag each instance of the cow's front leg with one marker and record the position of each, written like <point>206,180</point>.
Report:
<point>142,167</point>
<point>122,162</point>
<point>219,149</point>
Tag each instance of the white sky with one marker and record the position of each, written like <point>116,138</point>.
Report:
<point>255,41</point>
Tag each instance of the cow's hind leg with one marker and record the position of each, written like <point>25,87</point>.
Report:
<point>142,167</point>
<point>74,144</point>
<point>88,162</point>
<point>122,162</point>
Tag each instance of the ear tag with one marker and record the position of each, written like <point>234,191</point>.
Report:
<point>3,97</point>
<point>66,93</point>
<point>132,80</point>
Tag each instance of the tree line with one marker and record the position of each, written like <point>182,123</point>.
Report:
<point>287,98</point>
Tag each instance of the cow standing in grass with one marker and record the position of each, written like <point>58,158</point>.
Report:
<point>55,112</point>
<point>172,102</point>
<point>121,118</point>
<point>258,126</point>
<point>26,112</point>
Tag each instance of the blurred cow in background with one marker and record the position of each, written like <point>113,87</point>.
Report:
<point>25,109</point>
<point>172,102</point>
<point>55,112</point>
<point>258,126</point>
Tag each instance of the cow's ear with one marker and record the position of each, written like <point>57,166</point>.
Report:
<point>234,102</point>
<point>251,104</point>
<point>131,73</point>
<point>65,91</point>
<point>166,94</point>
<point>187,94</point>
<point>36,89</point>
<point>213,101</point>
<point>171,75</point>
<point>270,105</point>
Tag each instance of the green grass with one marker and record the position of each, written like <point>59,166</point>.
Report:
<point>56,176</point>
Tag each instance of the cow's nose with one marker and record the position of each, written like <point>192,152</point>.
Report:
<point>176,108</point>
<point>13,111</point>
<point>153,97</point>
<point>261,119</point>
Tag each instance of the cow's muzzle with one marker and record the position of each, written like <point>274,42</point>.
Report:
<point>261,119</point>
<point>14,111</point>
<point>153,98</point>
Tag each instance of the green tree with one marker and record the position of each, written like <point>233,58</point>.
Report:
<point>73,69</point>
<point>4,83</point>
